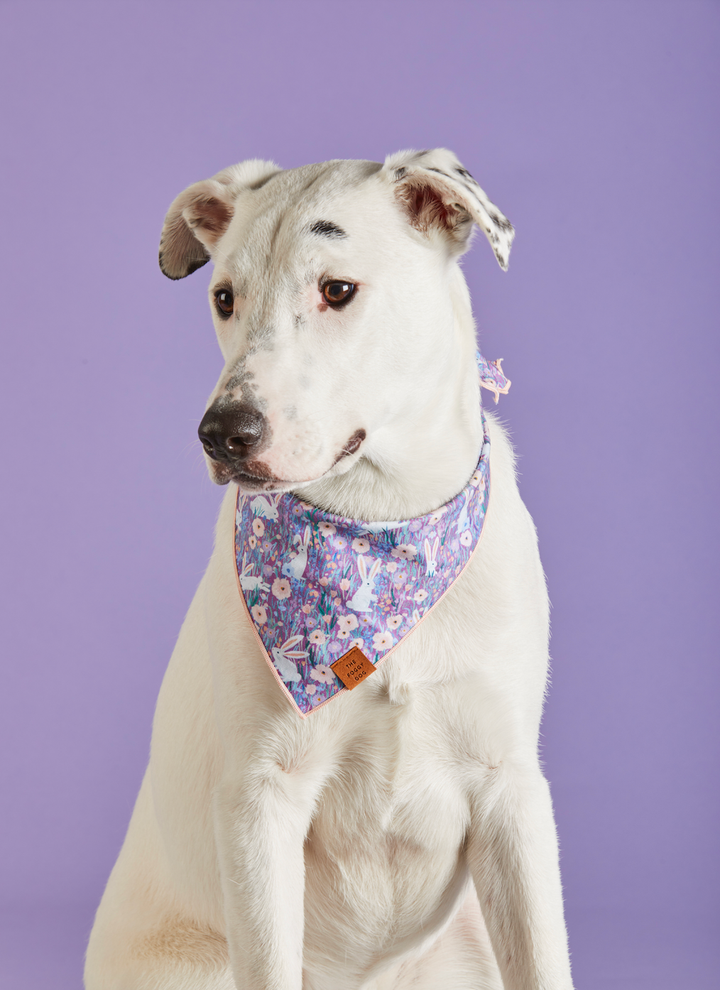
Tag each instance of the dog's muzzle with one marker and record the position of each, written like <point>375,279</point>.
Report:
<point>233,434</point>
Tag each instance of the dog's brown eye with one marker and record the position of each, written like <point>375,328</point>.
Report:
<point>337,293</point>
<point>224,301</point>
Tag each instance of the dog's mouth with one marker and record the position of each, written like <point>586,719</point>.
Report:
<point>254,476</point>
<point>351,446</point>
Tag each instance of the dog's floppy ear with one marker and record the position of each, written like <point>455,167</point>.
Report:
<point>201,214</point>
<point>437,192</point>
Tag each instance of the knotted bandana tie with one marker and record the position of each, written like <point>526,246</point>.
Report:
<point>331,598</point>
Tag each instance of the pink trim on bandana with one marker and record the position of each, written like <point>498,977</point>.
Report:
<point>315,584</point>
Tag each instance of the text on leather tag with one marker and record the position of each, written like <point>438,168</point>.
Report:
<point>352,668</point>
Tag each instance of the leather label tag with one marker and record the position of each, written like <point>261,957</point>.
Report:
<point>352,668</point>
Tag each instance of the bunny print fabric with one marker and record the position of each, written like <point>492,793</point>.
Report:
<point>316,585</point>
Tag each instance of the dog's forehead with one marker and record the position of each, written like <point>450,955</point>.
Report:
<point>310,185</point>
<point>297,205</point>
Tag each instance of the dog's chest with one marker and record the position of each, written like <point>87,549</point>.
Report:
<point>386,842</point>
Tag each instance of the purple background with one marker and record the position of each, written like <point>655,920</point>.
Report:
<point>594,126</point>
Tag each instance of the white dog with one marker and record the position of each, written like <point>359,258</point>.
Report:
<point>402,835</point>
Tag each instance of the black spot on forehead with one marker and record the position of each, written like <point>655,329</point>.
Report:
<point>326,228</point>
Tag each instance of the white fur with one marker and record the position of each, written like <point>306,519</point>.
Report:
<point>402,835</point>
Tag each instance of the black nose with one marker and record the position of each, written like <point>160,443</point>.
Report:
<point>234,433</point>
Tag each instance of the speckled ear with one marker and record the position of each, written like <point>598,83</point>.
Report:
<point>201,214</point>
<point>438,193</point>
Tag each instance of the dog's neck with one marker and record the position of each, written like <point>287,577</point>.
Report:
<point>410,470</point>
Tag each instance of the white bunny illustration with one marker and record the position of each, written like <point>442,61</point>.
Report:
<point>360,601</point>
<point>379,527</point>
<point>463,522</point>
<point>431,556</point>
<point>283,657</point>
<point>266,507</point>
<point>250,582</point>
<point>295,566</point>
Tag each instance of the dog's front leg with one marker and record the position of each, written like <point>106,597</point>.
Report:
<point>513,858</point>
<point>262,819</point>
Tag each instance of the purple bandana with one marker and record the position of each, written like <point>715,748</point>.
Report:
<point>330,598</point>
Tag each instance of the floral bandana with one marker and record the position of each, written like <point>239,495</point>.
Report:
<point>330,598</point>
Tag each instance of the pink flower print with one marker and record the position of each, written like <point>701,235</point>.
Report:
<point>394,621</point>
<point>405,551</point>
<point>360,546</point>
<point>466,538</point>
<point>326,528</point>
<point>391,566</point>
<point>344,584</point>
<point>347,623</point>
<point>258,526</point>
<point>327,618</point>
<point>476,479</point>
<point>359,643</point>
<point>421,595</point>
<point>324,581</point>
<point>310,688</point>
<point>322,673</point>
<point>281,588</point>
<point>317,638</point>
<point>252,542</point>
<point>435,517</point>
<point>307,609</point>
<point>343,634</point>
<point>382,641</point>
<point>340,543</point>
<point>259,614</point>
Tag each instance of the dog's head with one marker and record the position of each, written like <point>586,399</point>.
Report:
<point>332,297</point>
